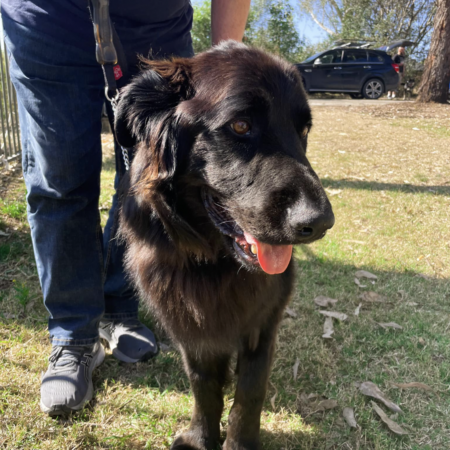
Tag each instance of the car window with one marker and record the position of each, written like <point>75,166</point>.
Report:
<point>329,58</point>
<point>375,57</point>
<point>352,56</point>
<point>311,58</point>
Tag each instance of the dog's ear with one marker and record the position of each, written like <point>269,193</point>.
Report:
<point>156,91</point>
<point>147,118</point>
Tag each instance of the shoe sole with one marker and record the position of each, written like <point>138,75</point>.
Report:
<point>63,410</point>
<point>118,354</point>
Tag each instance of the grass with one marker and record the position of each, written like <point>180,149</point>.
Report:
<point>390,190</point>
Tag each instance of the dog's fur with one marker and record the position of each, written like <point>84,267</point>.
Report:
<point>408,88</point>
<point>193,186</point>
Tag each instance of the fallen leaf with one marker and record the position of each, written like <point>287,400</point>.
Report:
<point>393,426</point>
<point>328,328</point>
<point>290,312</point>
<point>365,274</point>
<point>425,277</point>
<point>354,241</point>
<point>9,316</point>
<point>295,368</point>
<point>387,325</point>
<point>324,301</point>
<point>272,400</point>
<point>349,416</point>
<point>356,313</point>
<point>372,297</point>
<point>372,390</point>
<point>421,341</point>
<point>358,283</point>
<point>323,405</point>
<point>414,384</point>
<point>336,315</point>
<point>411,304</point>
<point>416,129</point>
<point>333,192</point>
<point>2,233</point>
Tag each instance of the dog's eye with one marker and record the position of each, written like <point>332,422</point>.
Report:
<point>304,132</point>
<point>241,127</point>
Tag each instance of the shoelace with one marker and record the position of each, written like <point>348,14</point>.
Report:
<point>64,358</point>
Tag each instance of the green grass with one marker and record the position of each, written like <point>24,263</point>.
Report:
<point>398,230</point>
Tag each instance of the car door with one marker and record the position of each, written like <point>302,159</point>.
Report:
<point>354,64</point>
<point>324,74</point>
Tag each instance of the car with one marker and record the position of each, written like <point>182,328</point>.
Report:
<point>352,68</point>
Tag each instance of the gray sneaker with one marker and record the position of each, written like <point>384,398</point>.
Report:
<point>67,385</point>
<point>129,340</point>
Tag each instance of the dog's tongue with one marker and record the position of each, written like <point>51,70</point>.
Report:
<point>272,258</point>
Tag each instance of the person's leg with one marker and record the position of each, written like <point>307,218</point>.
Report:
<point>60,96</point>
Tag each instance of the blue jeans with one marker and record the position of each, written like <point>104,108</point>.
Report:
<point>60,91</point>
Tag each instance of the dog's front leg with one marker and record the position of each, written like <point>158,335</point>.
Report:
<point>254,363</point>
<point>207,374</point>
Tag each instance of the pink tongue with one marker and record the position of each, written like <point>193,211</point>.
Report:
<point>272,258</point>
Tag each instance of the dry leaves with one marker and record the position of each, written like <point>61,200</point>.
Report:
<point>365,274</point>
<point>387,325</point>
<point>349,416</point>
<point>335,314</point>
<point>372,297</point>
<point>290,312</point>
<point>358,283</point>
<point>2,233</point>
<point>314,403</point>
<point>414,384</point>
<point>393,426</point>
<point>372,390</point>
<point>295,368</point>
<point>324,301</point>
<point>356,313</point>
<point>328,328</point>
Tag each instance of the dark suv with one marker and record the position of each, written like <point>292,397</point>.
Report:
<point>359,72</point>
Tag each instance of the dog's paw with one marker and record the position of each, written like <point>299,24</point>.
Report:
<point>192,440</point>
<point>232,444</point>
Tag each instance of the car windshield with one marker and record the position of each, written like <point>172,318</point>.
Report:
<point>311,58</point>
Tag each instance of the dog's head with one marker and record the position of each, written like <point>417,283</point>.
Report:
<point>221,155</point>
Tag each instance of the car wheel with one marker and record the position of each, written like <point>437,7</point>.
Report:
<point>356,96</point>
<point>373,89</point>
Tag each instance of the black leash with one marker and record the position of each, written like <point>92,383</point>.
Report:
<point>110,55</point>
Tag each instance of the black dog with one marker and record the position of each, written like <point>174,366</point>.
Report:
<point>408,88</point>
<point>219,191</point>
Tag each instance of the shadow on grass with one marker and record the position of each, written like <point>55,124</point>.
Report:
<point>378,186</point>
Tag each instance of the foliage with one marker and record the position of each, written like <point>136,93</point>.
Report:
<point>377,20</point>
<point>270,25</point>
<point>201,27</point>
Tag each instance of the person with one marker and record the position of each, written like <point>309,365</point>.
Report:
<point>60,91</point>
<point>399,59</point>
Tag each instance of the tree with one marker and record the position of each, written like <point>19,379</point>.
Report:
<point>378,20</point>
<point>270,25</point>
<point>281,36</point>
<point>201,27</point>
<point>436,77</point>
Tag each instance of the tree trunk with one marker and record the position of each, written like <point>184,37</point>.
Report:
<point>436,76</point>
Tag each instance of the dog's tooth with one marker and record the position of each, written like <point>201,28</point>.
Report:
<point>254,249</point>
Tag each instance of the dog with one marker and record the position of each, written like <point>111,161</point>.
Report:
<point>408,88</point>
<point>218,193</point>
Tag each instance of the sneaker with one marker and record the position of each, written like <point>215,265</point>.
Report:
<point>67,385</point>
<point>129,340</point>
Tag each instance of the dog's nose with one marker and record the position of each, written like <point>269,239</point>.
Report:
<point>312,224</point>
